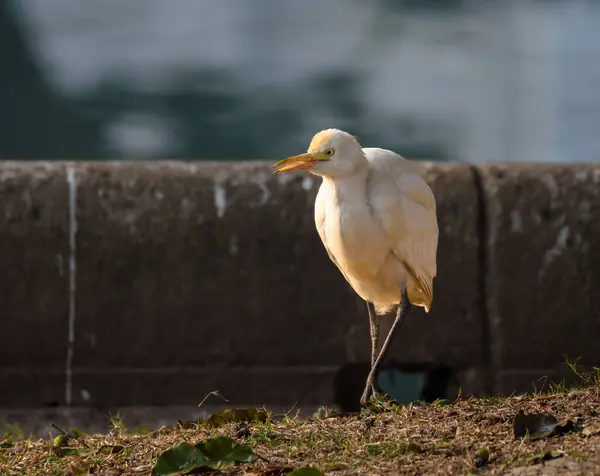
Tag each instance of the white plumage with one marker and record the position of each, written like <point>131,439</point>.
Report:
<point>380,229</point>
<point>377,219</point>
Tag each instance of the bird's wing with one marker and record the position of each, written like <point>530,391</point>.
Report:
<point>406,209</point>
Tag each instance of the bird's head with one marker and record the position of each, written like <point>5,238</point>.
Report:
<point>331,153</point>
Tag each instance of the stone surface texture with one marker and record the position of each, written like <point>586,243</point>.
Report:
<point>34,285</point>
<point>543,270</point>
<point>193,277</point>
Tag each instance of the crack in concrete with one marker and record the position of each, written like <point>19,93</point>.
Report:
<point>483,261</point>
<point>72,185</point>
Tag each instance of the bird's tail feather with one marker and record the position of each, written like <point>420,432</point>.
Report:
<point>420,290</point>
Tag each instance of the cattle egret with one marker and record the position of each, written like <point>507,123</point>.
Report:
<point>377,219</point>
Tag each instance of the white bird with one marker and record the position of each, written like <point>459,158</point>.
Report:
<point>377,219</point>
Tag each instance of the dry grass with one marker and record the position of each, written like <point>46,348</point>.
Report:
<point>413,439</point>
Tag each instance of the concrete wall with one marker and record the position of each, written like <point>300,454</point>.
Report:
<point>156,283</point>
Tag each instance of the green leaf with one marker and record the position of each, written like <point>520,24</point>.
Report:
<point>77,433</point>
<point>306,471</point>
<point>442,402</point>
<point>60,441</point>
<point>6,444</point>
<point>214,453</point>
<point>482,456</point>
<point>539,457</point>
<point>179,459</point>
<point>222,450</point>
<point>235,415</point>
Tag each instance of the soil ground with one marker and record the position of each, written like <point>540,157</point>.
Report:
<point>439,438</point>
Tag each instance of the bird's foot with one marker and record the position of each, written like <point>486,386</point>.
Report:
<point>374,392</point>
<point>364,400</point>
<point>369,393</point>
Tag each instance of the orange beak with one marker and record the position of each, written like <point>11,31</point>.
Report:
<point>302,161</point>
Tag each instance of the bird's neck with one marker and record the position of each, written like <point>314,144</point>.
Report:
<point>350,188</point>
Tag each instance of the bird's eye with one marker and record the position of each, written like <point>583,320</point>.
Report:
<point>329,152</point>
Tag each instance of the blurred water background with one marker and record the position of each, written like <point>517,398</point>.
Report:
<point>469,80</point>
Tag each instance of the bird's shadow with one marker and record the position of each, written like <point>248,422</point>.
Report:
<point>402,382</point>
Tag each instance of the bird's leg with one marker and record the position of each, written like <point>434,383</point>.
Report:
<point>403,310</point>
<point>374,328</point>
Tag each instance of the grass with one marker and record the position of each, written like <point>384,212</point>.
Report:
<point>467,436</point>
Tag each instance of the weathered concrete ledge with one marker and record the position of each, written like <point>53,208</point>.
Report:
<point>156,283</point>
<point>543,269</point>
